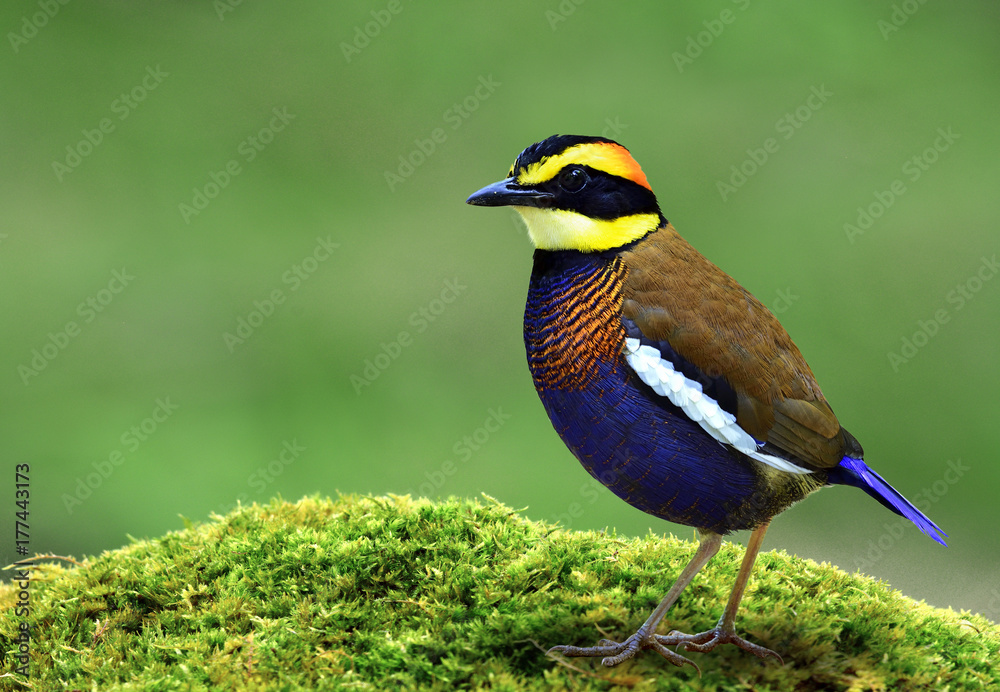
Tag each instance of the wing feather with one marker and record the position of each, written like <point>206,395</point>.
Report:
<point>673,294</point>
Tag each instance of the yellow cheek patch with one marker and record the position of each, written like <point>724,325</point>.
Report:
<point>557,229</point>
<point>613,159</point>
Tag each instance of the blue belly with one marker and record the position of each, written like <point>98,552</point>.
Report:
<point>655,458</point>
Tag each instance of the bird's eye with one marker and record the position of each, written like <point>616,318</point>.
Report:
<point>573,179</point>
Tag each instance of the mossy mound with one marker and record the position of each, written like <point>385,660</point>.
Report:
<point>392,593</point>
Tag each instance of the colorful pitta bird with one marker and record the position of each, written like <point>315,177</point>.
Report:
<point>670,382</point>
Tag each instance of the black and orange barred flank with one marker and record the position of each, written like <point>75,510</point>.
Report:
<point>671,383</point>
<point>564,332</point>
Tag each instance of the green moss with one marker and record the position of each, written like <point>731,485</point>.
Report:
<point>388,593</point>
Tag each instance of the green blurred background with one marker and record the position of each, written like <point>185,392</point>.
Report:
<point>184,90</point>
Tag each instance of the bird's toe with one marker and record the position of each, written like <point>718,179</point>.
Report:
<point>612,653</point>
<point>708,640</point>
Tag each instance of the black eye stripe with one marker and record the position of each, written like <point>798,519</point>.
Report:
<point>603,196</point>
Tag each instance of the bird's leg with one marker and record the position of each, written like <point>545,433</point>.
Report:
<point>725,631</point>
<point>646,637</point>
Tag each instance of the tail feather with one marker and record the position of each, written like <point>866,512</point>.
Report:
<point>855,472</point>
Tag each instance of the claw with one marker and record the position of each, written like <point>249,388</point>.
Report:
<point>706,641</point>
<point>613,653</point>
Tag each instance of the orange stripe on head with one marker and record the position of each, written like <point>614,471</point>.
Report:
<point>608,157</point>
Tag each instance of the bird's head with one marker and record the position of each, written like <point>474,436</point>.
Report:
<point>577,193</point>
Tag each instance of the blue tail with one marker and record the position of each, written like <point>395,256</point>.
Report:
<point>855,472</point>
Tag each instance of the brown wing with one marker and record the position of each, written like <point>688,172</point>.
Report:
<point>672,293</point>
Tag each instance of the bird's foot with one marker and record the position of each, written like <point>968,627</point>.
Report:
<point>706,641</point>
<point>616,652</point>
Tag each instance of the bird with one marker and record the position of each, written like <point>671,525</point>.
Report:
<point>672,384</point>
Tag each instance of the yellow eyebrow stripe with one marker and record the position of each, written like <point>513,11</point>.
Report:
<point>613,159</point>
